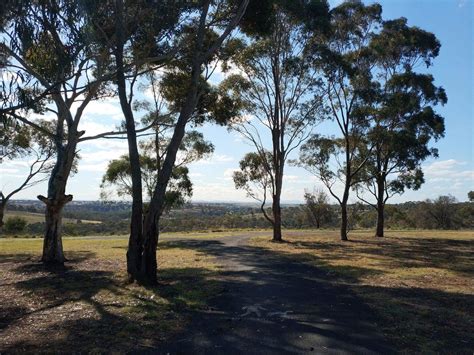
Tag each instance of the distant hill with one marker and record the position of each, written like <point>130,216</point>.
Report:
<point>32,217</point>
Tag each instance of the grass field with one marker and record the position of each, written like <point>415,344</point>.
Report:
<point>419,283</point>
<point>31,217</point>
<point>88,306</point>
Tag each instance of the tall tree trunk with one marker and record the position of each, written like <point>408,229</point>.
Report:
<point>278,161</point>
<point>152,218</point>
<point>380,207</point>
<point>276,208</point>
<point>380,221</point>
<point>56,200</point>
<point>134,251</point>
<point>148,261</point>
<point>344,220</point>
<point>53,245</point>
<point>344,214</point>
<point>347,186</point>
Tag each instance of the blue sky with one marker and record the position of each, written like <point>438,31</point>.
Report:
<point>453,173</point>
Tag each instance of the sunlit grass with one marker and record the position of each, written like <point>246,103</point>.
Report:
<point>420,283</point>
<point>90,304</point>
<point>32,217</point>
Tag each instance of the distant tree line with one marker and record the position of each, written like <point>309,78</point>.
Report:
<point>444,212</point>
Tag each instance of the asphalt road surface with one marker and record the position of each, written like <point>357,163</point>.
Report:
<point>274,306</point>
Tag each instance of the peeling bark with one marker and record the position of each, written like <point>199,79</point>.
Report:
<point>53,246</point>
<point>57,199</point>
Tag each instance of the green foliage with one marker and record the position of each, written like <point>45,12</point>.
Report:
<point>404,119</point>
<point>255,175</point>
<point>470,196</point>
<point>193,147</point>
<point>50,41</point>
<point>261,15</point>
<point>344,61</point>
<point>318,208</point>
<point>254,88</point>
<point>45,55</point>
<point>316,153</point>
<point>15,139</point>
<point>15,225</point>
<point>397,40</point>
<point>174,82</point>
<point>21,140</point>
<point>441,211</point>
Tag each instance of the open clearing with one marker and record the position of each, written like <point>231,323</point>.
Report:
<point>414,289</point>
<point>32,217</point>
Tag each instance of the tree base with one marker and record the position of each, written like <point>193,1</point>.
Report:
<point>53,261</point>
<point>146,281</point>
<point>277,241</point>
<point>53,265</point>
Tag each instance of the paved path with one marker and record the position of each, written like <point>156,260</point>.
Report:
<point>272,306</point>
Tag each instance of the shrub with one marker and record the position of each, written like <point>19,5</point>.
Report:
<point>15,225</point>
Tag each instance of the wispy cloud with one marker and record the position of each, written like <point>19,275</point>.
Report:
<point>448,170</point>
<point>214,159</point>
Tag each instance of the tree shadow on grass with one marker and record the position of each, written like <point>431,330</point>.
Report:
<point>423,320</point>
<point>420,318</point>
<point>275,261</point>
<point>455,255</point>
<point>86,307</point>
<point>416,319</point>
<point>301,307</point>
<point>72,258</point>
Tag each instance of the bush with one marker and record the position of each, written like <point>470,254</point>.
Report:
<point>15,225</point>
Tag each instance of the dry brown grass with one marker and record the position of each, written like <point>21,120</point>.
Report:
<point>32,217</point>
<point>420,283</point>
<point>88,306</point>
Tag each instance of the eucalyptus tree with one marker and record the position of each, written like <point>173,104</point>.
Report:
<point>194,147</point>
<point>52,66</point>
<point>346,65</point>
<point>255,177</point>
<point>36,151</point>
<point>442,211</point>
<point>317,207</point>
<point>206,37</point>
<point>180,42</point>
<point>274,88</point>
<point>137,50</point>
<point>405,120</point>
